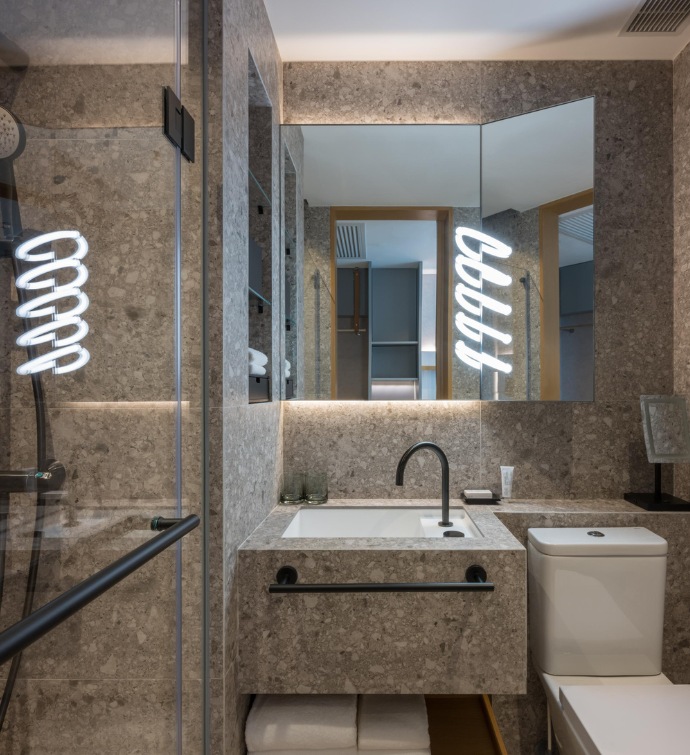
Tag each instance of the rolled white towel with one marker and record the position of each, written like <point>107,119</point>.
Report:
<point>257,357</point>
<point>256,371</point>
<point>339,751</point>
<point>303,723</point>
<point>392,723</point>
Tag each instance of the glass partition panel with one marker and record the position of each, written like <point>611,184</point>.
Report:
<point>98,397</point>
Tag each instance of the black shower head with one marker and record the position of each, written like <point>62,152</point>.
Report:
<point>12,143</point>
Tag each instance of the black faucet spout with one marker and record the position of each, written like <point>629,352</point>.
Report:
<point>445,476</point>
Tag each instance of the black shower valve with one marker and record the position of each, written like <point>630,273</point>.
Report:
<point>47,480</point>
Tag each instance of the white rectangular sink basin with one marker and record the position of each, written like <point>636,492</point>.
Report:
<point>378,522</point>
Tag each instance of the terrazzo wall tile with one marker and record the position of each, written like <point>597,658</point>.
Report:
<point>681,290</point>
<point>352,92</point>
<point>633,352</point>
<point>533,437</point>
<point>609,455</point>
<point>359,444</point>
<point>242,490</point>
<point>116,717</point>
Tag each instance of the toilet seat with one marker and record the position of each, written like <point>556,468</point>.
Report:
<point>566,733</point>
<point>628,719</point>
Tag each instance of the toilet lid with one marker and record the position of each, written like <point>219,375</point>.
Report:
<point>629,720</point>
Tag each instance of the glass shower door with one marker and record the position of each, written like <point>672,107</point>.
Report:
<point>99,374</point>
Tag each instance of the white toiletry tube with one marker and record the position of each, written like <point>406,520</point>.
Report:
<point>507,482</point>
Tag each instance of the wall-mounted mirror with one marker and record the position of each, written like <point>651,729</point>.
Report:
<point>450,262</point>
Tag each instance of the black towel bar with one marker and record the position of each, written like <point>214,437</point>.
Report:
<point>475,576</point>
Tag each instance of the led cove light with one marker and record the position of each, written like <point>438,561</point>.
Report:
<point>471,269</point>
<point>66,328</point>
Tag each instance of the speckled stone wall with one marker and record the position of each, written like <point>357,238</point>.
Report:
<point>681,290</point>
<point>244,441</point>
<point>569,449</point>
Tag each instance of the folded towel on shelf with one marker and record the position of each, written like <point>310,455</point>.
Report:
<point>302,723</point>
<point>256,371</point>
<point>288,367</point>
<point>389,723</point>
<point>257,357</point>
<point>340,751</point>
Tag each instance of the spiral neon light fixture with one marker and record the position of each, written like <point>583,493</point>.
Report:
<point>66,328</point>
<point>473,273</point>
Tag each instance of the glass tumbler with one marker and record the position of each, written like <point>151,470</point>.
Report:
<point>316,487</point>
<point>293,487</point>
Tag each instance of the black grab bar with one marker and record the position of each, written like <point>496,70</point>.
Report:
<point>25,632</point>
<point>475,576</point>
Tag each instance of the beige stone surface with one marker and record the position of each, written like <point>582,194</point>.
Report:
<point>398,643</point>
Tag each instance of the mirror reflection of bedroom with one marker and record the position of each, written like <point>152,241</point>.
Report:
<point>386,309</point>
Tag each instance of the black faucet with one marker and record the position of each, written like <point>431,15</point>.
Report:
<point>445,476</point>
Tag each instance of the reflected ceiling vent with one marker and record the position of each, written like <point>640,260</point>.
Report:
<point>659,17</point>
<point>351,242</point>
<point>578,224</point>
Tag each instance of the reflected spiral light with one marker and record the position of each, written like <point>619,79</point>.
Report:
<point>66,328</point>
<point>474,272</point>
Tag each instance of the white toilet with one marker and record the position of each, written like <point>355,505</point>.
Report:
<point>596,614</point>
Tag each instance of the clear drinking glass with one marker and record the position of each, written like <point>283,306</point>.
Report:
<point>316,487</point>
<point>293,487</point>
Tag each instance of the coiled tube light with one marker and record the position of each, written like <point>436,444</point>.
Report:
<point>473,273</point>
<point>66,329</point>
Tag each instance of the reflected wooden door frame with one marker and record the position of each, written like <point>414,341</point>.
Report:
<point>550,306</point>
<point>443,216</point>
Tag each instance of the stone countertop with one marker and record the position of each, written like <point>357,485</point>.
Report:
<point>267,535</point>
<point>496,535</point>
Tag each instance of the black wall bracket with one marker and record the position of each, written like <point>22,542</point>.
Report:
<point>178,124</point>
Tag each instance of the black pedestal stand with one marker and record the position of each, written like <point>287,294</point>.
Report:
<point>657,501</point>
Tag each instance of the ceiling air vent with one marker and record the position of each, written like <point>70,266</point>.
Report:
<point>659,17</point>
<point>351,243</point>
<point>578,224</point>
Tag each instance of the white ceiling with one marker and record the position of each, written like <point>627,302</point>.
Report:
<point>391,166</point>
<point>318,30</point>
<point>526,161</point>
<point>538,157</point>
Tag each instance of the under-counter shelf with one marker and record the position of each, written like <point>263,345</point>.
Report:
<point>259,389</point>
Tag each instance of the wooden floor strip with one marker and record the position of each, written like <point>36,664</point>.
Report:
<point>462,725</point>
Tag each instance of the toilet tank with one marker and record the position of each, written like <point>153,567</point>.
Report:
<point>596,600</point>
